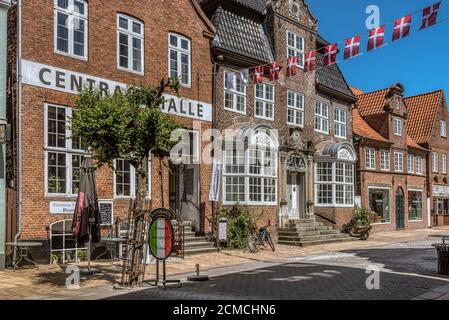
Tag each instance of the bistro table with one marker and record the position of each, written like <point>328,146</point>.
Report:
<point>23,248</point>
<point>111,246</point>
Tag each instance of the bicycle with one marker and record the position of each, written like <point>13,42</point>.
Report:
<point>259,237</point>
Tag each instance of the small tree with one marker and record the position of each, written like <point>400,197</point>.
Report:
<point>127,125</point>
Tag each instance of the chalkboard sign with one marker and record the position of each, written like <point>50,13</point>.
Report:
<point>106,212</point>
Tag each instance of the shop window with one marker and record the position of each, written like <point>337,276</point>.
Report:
<point>334,184</point>
<point>295,47</point>
<point>64,154</point>
<point>295,109</point>
<point>415,205</point>
<point>264,101</point>
<point>379,202</point>
<point>71,27</point>
<point>125,179</point>
<point>130,44</point>
<point>234,93</point>
<point>180,58</point>
<point>441,206</point>
<point>321,117</point>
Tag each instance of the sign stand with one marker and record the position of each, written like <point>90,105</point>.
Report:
<point>161,241</point>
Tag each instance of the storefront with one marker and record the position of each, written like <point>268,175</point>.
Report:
<point>440,212</point>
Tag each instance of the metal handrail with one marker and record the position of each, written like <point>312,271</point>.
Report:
<point>325,218</point>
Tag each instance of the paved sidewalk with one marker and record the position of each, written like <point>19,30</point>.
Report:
<point>49,281</point>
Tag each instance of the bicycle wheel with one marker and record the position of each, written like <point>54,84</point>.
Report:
<point>270,241</point>
<point>253,243</point>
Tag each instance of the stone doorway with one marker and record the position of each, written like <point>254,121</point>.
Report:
<point>295,196</point>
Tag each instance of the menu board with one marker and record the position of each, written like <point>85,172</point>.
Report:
<point>106,212</point>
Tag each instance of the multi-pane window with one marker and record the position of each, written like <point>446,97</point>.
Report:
<point>384,160</point>
<point>264,101</point>
<point>411,164</point>
<point>295,109</point>
<point>125,179</point>
<point>397,126</point>
<point>334,184</point>
<point>435,159</point>
<point>234,93</point>
<point>130,50</point>
<point>63,153</point>
<point>71,27</point>
<point>444,164</point>
<point>340,123</point>
<point>179,58</point>
<point>379,204</point>
<point>370,159</point>
<point>398,162</point>
<point>415,205</point>
<point>443,129</point>
<point>295,47</point>
<point>419,165</point>
<point>321,117</point>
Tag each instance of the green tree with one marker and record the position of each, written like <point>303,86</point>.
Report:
<point>127,125</point>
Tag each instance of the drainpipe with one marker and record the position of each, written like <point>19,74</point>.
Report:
<point>19,114</point>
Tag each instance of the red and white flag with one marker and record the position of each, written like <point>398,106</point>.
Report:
<point>258,74</point>
<point>292,65</point>
<point>330,54</point>
<point>402,27</point>
<point>352,47</point>
<point>376,38</point>
<point>310,61</point>
<point>430,15</point>
<point>275,69</point>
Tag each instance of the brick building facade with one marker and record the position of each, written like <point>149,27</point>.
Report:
<point>292,120</point>
<point>392,167</point>
<point>108,44</point>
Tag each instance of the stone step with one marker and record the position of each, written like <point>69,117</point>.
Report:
<point>193,239</point>
<point>196,244</point>
<point>315,242</point>
<point>200,250</point>
<point>307,229</point>
<point>312,238</point>
<point>308,233</point>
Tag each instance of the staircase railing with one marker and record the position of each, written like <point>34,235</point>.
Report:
<point>325,218</point>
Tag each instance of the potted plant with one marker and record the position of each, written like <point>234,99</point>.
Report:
<point>80,255</point>
<point>55,258</point>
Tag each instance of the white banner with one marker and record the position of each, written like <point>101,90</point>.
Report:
<point>214,194</point>
<point>62,207</point>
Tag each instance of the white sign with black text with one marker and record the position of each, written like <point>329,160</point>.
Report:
<point>62,207</point>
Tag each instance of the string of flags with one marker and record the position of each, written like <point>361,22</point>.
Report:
<point>352,49</point>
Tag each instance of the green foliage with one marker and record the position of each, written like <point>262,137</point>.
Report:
<point>240,222</point>
<point>362,217</point>
<point>126,125</point>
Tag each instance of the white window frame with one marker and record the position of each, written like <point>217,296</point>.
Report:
<point>130,34</point>
<point>385,161</point>
<point>435,162</point>
<point>179,51</point>
<point>294,50</point>
<point>444,164</point>
<point>397,127</point>
<point>133,181</point>
<point>389,203</point>
<point>70,12</point>
<point>419,165</point>
<point>334,184</point>
<point>67,150</point>
<point>298,112</point>
<point>370,158</point>
<point>321,117</point>
<point>265,102</point>
<point>411,163</point>
<point>443,129</point>
<point>340,123</point>
<point>235,93</point>
<point>398,162</point>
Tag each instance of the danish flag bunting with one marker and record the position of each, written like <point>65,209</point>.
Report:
<point>430,16</point>
<point>352,47</point>
<point>310,61</point>
<point>258,74</point>
<point>292,64</point>
<point>402,27</point>
<point>330,54</point>
<point>275,69</point>
<point>376,38</point>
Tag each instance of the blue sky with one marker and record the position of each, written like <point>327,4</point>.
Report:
<point>420,62</point>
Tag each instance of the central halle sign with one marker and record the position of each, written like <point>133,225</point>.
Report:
<point>49,77</point>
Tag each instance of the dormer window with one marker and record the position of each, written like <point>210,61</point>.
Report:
<point>397,127</point>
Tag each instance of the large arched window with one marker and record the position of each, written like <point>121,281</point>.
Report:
<point>250,168</point>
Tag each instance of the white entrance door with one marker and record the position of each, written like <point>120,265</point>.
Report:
<point>293,193</point>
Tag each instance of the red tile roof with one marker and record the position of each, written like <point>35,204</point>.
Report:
<point>422,110</point>
<point>356,91</point>
<point>363,129</point>
<point>372,103</point>
<point>412,144</point>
